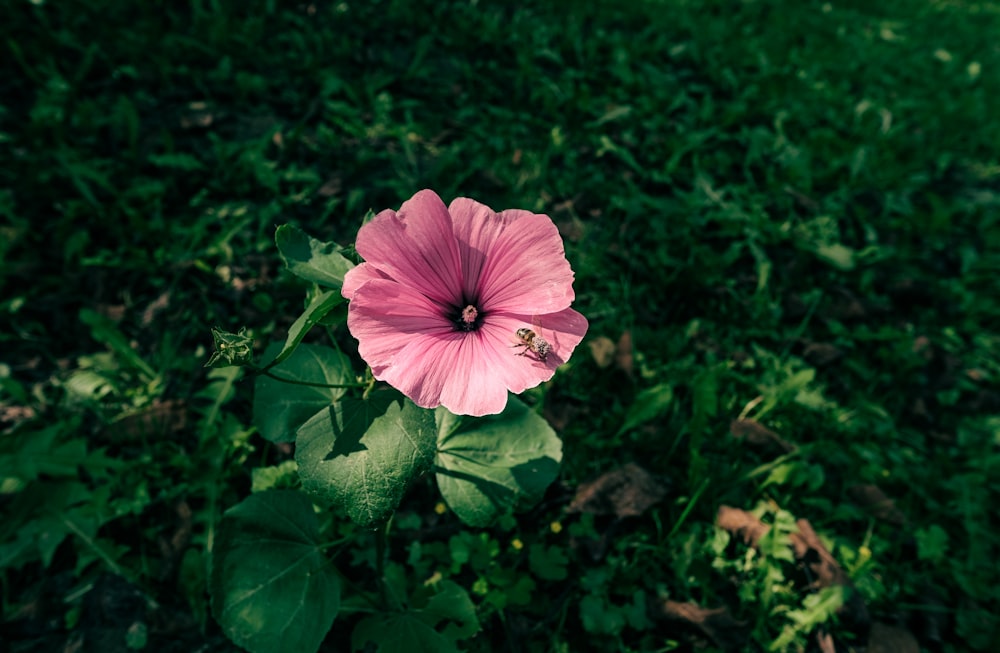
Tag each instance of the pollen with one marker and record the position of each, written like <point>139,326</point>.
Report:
<point>469,314</point>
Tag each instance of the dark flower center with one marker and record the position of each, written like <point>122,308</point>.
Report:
<point>468,318</point>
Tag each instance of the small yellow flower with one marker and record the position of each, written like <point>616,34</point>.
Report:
<point>517,544</point>
<point>440,508</point>
<point>555,527</point>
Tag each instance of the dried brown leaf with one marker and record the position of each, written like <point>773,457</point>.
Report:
<point>757,434</point>
<point>603,350</point>
<point>820,354</point>
<point>824,567</point>
<point>159,305</point>
<point>330,188</point>
<point>717,624</point>
<point>114,312</point>
<point>197,116</point>
<point>158,420</point>
<point>876,503</point>
<point>14,415</point>
<point>627,491</point>
<point>623,353</point>
<point>826,572</point>
<point>742,523</point>
<point>824,641</point>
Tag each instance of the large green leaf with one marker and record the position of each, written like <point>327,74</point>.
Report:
<point>363,454</point>
<point>311,259</point>
<point>272,589</point>
<point>280,408</point>
<point>400,633</point>
<point>489,465</point>
<point>416,630</point>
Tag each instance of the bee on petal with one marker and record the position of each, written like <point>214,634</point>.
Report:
<point>531,341</point>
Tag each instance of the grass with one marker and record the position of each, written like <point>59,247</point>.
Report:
<point>790,209</point>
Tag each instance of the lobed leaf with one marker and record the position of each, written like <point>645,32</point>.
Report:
<point>280,408</point>
<point>311,259</point>
<point>272,589</point>
<point>362,454</point>
<point>490,465</point>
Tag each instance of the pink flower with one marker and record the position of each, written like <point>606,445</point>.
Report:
<point>443,292</point>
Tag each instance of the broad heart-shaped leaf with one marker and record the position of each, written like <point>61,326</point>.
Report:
<point>362,454</point>
<point>488,465</point>
<point>280,408</point>
<point>311,259</point>
<point>321,304</point>
<point>415,630</point>
<point>400,633</point>
<point>272,589</point>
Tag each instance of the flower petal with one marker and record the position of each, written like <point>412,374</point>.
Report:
<point>526,269</point>
<point>358,276</point>
<point>476,227</point>
<point>416,247</point>
<point>520,369</point>
<point>385,316</point>
<point>449,371</point>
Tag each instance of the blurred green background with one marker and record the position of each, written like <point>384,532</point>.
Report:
<point>785,212</point>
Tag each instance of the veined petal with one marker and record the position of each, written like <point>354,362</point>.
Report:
<point>358,276</point>
<point>520,368</point>
<point>476,227</point>
<point>437,305</point>
<point>526,269</point>
<point>385,317</point>
<point>449,371</point>
<point>416,247</point>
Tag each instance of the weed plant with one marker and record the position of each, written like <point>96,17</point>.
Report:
<point>785,224</point>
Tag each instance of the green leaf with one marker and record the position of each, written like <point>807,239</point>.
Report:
<point>548,563</point>
<point>451,603</point>
<point>272,589</point>
<point>705,390</point>
<point>284,475</point>
<point>316,311</point>
<point>648,405</point>
<point>600,617</point>
<point>932,543</point>
<point>417,628</point>
<point>32,527</point>
<point>400,633</point>
<point>311,259</point>
<point>836,255</point>
<point>280,408</point>
<point>363,454</point>
<point>177,161</point>
<point>103,330</point>
<point>487,466</point>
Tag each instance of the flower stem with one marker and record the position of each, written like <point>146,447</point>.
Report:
<point>278,377</point>
<point>381,541</point>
